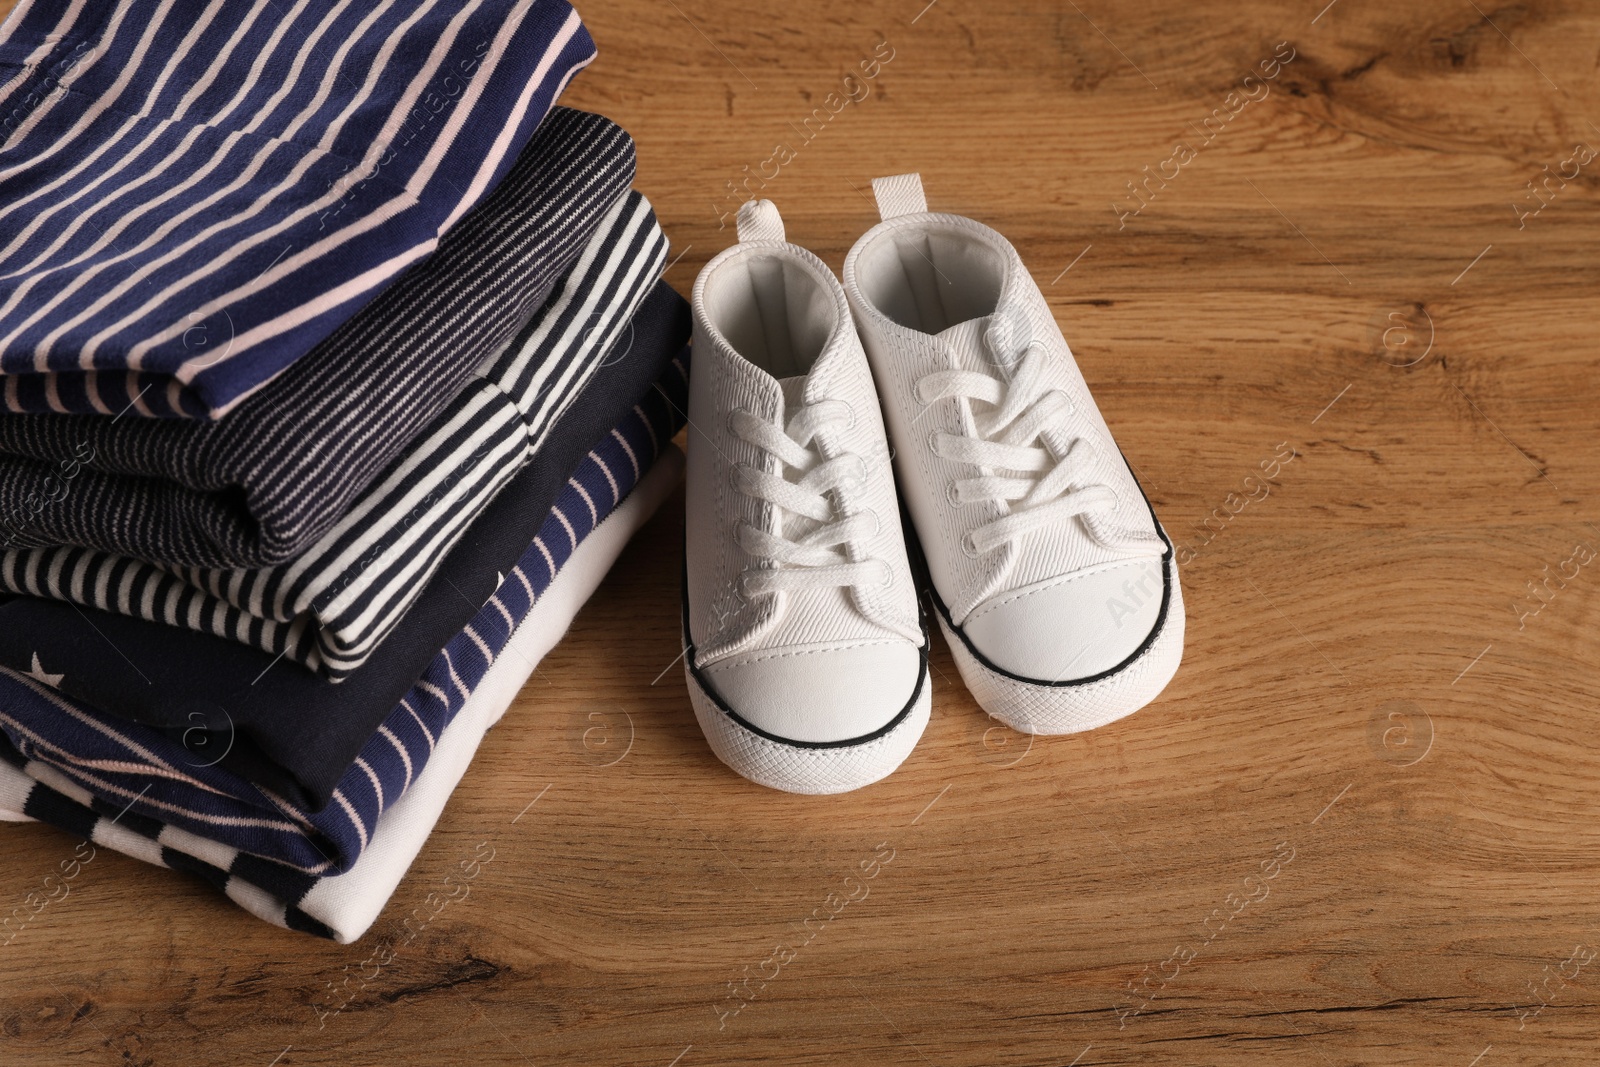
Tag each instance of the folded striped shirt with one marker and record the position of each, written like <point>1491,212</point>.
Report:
<point>262,485</point>
<point>141,768</point>
<point>344,906</point>
<point>283,727</point>
<point>194,193</point>
<point>332,606</point>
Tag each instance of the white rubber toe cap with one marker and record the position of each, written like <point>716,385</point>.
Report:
<point>1073,627</point>
<point>819,694</point>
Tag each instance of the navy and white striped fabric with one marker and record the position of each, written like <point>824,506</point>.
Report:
<point>329,608</point>
<point>194,193</point>
<point>274,722</point>
<point>260,486</point>
<point>138,768</point>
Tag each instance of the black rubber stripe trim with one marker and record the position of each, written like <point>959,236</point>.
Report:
<point>1167,570</point>
<point>716,698</point>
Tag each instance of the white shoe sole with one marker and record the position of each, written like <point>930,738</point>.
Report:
<point>797,767</point>
<point>1034,707</point>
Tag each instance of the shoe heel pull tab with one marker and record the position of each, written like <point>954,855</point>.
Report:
<point>899,194</point>
<point>759,221</point>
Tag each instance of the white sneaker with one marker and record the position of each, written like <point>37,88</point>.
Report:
<point>805,650</point>
<point>1055,585</point>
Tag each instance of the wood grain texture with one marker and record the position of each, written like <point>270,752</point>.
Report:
<point>1364,712</point>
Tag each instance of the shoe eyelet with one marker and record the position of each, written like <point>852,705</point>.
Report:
<point>969,547</point>
<point>933,442</point>
<point>951,495</point>
<point>888,574</point>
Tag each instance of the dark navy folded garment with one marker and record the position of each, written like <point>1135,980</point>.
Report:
<point>261,485</point>
<point>344,906</point>
<point>265,719</point>
<point>118,762</point>
<point>195,193</point>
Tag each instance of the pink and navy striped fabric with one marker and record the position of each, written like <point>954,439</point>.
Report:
<point>194,193</point>
<point>139,771</point>
<point>290,463</point>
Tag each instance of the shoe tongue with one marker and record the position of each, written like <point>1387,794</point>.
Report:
<point>984,342</point>
<point>965,342</point>
<point>794,390</point>
<point>820,613</point>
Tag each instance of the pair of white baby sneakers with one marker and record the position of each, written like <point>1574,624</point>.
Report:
<point>806,649</point>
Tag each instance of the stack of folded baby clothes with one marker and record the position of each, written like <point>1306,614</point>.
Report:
<point>336,372</point>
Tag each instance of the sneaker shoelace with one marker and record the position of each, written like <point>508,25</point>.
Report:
<point>828,554</point>
<point>1036,489</point>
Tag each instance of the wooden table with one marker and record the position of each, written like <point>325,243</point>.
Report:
<point>1361,824</point>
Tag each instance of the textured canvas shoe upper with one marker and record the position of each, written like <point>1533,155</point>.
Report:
<point>1039,543</point>
<point>800,607</point>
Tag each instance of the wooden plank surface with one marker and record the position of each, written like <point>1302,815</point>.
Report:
<point>1360,825</point>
